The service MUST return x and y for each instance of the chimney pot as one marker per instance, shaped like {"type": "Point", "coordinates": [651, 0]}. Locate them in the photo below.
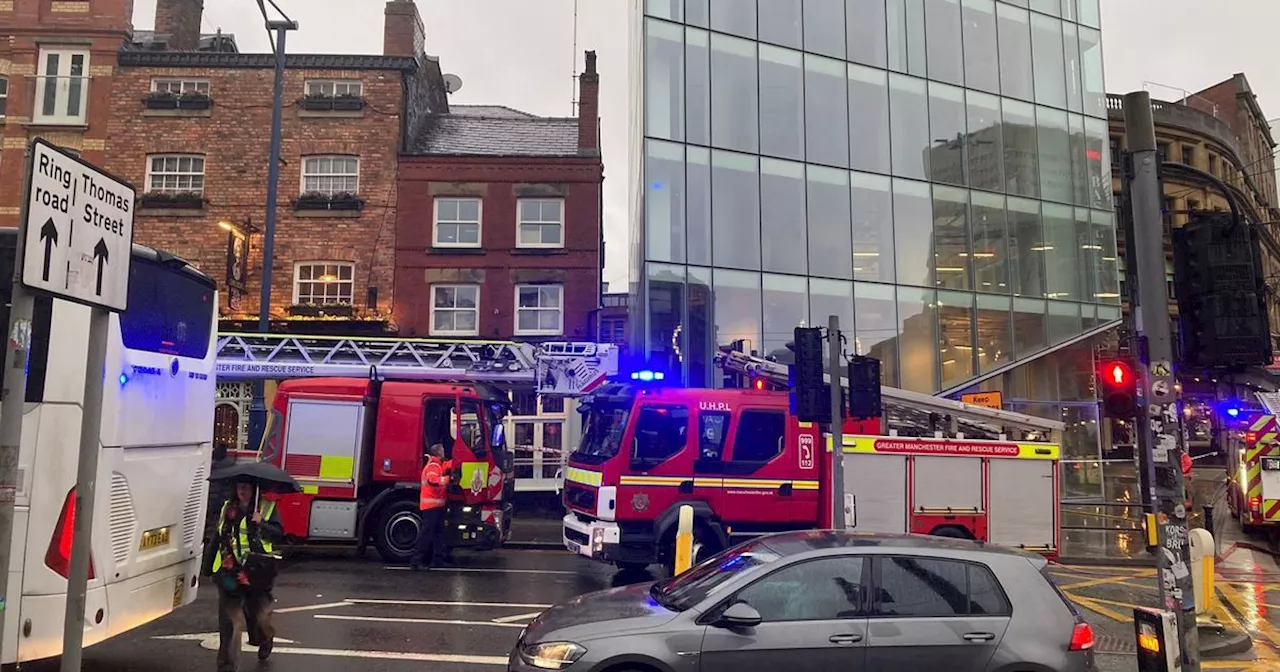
{"type": "Point", "coordinates": [402, 31]}
{"type": "Point", "coordinates": [180, 20]}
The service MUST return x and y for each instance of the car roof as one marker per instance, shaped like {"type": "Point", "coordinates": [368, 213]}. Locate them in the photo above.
{"type": "Point", "coordinates": [788, 544]}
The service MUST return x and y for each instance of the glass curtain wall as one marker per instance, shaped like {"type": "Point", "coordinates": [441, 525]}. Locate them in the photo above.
{"type": "Point", "coordinates": [935, 172]}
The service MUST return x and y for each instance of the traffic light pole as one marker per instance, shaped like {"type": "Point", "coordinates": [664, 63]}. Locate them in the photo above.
{"type": "Point", "coordinates": [1161, 441]}
{"type": "Point", "coordinates": [837, 424]}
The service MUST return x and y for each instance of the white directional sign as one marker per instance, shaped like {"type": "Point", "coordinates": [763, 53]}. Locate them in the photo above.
{"type": "Point", "coordinates": [79, 230]}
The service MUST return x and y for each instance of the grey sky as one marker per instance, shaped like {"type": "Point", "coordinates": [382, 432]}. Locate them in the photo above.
{"type": "Point", "coordinates": [519, 53]}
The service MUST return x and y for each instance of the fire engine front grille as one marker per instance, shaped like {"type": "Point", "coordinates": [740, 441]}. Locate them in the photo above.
{"type": "Point", "coordinates": [576, 536]}
{"type": "Point", "coordinates": [580, 497]}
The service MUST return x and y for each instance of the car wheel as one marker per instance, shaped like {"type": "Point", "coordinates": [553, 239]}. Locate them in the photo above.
{"type": "Point", "coordinates": [397, 532]}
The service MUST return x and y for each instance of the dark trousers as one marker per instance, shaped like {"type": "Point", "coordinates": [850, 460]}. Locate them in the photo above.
{"type": "Point", "coordinates": [430, 547]}
{"type": "Point", "coordinates": [241, 611]}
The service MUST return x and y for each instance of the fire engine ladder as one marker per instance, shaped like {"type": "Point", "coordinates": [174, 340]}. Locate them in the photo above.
{"type": "Point", "coordinates": [564, 368]}
{"type": "Point", "coordinates": [908, 412]}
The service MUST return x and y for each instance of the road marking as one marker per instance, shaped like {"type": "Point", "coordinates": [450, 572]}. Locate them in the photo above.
{"type": "Point", "coordinates": [518, 617]}
{"type": "Point", "coordinates": [313, 607]}
{"type": "Point", "coordinates": [1242, 608]}
{"type": "Point", "coordinates": [209, 640]}
{"type": "Point", "coordinates": [1093, 606]}
{"type": "Point", "coordinates": [434, 603]}
{"type": "Point", "coordinates": [483, 570]}
{"type": "Point", "coordinates": [396, 655]}
{"type": "Point", "coordinates": [1114, 580]}
{"type": "Point", "coordinates": [423, 621]}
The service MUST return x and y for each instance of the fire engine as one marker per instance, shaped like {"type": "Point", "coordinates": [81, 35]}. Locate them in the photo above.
{"type": "Point", "coordinates": [354, 417]}
{"type": "Point", "coordinates": [1254, 471]}
{"type": "Point", "coordinates": [747, 466]}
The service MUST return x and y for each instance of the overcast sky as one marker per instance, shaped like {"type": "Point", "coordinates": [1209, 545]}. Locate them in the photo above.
{"type": "Point", "coordinates": [520, 53]}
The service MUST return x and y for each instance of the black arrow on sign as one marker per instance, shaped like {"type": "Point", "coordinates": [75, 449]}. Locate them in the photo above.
{"type": "Point", "coordinates": [48, 234]}
{"type": "Point", "coordinates": [100, 253]}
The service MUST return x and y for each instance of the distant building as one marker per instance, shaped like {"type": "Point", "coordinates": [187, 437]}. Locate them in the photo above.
{"type": "Point", "coordinates": [614, 316]}
{"type": "Point", "coordinates": [498, 233]}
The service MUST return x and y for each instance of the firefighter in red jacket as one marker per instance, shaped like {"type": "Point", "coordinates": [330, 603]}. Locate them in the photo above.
{"type": "Point", "coordinates": [432, 501]}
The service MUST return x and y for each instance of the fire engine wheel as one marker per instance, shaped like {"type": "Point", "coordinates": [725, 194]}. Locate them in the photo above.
{"type": "Point", "coordinates": [397, 531]}
{"type": "Point", "coordinates": [950, 533]}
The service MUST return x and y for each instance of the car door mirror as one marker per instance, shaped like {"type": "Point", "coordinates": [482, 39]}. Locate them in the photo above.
{"type": "Point", "coordinates": [740, 615]}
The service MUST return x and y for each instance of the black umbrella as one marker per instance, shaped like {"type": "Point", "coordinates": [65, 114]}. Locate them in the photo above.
{"type": "Point", "coordinates": [263, 475]}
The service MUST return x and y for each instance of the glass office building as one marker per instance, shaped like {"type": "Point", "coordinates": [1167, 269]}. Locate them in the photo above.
{"type": "Point", "coordinates": [935, 172]}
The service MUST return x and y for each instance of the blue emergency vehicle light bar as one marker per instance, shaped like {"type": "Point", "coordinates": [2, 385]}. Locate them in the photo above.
{"type": "Point", "coordinates": [1233, 412]}
{"type": "Point", "coordinates": [647, 376]}
{"type": "Point", "coordinates": [123, 379]}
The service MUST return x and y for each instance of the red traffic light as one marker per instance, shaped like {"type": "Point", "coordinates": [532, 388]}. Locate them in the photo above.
{"type": "Point", "coordinates": [1118, 373]}
{"type": "Point", "coordinates": [1120, 389]}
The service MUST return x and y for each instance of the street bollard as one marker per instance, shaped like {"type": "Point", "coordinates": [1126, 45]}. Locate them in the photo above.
{"type": "Point", "coordinates": [1202, 559]}
{"type": "Point", "coordinates": [684, 541]}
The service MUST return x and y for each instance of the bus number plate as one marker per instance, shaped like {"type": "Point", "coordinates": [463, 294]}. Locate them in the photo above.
{"type": "Point", "coordinates": [1271, 464]}
{"type": "Point", "coordinates": [179, 590]}
{"type": "Point", "coordinates": [152, 539]}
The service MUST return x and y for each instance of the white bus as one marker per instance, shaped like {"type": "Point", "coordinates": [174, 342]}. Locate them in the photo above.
{"type": "Point", "coordinates": [157, 433]}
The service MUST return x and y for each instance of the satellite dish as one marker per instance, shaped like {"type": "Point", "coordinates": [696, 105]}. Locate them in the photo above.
{"type": "Point", "coordinates": [452, 83]}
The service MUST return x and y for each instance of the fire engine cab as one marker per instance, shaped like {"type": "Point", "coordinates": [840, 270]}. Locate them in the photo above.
{"type": "Point", "coordinates": [746, 466]}
{"type": "Point", "coordinates": [353, 419]}
{"type": "Point", "coordinates": [1254, 472]}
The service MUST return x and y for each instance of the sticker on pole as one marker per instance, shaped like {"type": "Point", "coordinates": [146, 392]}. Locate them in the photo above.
{"type": "Point", "coordinates": [78, 231]}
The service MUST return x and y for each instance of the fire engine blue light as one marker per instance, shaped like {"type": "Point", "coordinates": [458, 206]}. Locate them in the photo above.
{"type": "Point", "coordinates": [123, 379]}
{"type": "Point", "coordinates": [1233, 412]}
{"type": "Point", "coordinates": [647, 376]}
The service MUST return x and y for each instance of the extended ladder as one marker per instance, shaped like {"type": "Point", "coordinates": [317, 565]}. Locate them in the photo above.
{"type": "Point", "coordinates": [564, 368]}
{"type": "Point", "coordinates": [905, 410]}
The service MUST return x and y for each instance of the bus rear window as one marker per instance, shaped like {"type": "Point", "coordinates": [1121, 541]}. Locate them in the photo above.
{"type": "Point", "coordinates": [170, 312]}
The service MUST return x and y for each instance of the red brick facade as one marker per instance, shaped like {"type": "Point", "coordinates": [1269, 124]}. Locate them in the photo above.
{"type": "Point", "coordinates": [462, 156]}
{"type": "Point", "coordinates": [90, 33]}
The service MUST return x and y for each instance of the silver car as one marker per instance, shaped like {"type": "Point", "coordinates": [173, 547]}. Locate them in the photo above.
{"type": "Point", "coordinates": [824, 601]}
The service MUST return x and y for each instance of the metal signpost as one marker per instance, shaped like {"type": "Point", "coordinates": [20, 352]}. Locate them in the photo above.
{"type": "Point", "coordinates": [837, 423]}
{"type": "Point", "coordinates": [78, 238]}
{"type": "Point", "coordinates": [1161, 439]}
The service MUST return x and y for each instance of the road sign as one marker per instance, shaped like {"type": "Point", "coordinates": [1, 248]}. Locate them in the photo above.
{"type": "Point", "coordinates": [79, 230]}
{"type": "Point", "coordinates": [988, 399]}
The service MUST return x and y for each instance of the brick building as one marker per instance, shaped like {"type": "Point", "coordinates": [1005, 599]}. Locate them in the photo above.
{"type": "Point", "coordinates": [499, 230]}
{"type": "Point", "coordinates": [191, 129]}
{"type": "Point", "coordinates": [56, 72]}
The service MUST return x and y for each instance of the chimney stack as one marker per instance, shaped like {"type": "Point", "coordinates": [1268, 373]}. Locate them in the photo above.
{"type": "Point", "coordinates": [589, 109]}
{"type": "Point", "coordinates": [402, 31]}
{"type": "Point", "coordinates": [180, 20]}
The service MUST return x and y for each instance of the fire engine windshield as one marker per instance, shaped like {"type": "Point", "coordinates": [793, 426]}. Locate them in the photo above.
{"type": "Point", "coordinates": [602, 437]}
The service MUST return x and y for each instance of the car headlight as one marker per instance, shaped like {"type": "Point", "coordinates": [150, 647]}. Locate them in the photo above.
{"type": "Point", "coordinates": [552, 655]}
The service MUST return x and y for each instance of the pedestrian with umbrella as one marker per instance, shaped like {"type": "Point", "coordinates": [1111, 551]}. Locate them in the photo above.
{"type": "Point", "coordinates": [239, 557]}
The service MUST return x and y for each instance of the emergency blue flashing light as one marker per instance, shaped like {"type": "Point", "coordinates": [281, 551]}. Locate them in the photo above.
{"type": "Point", "coordinates": [123, 379]}
{"type": "Point", "coordinates": [647, 376]}
{"type": "Point", "coordinates": [1233, 412]}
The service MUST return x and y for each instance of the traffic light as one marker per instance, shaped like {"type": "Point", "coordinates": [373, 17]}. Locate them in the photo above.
{"type": "Point", "coordinates": [1119, 389]}
{"type": "Point", "coordinates": [1221, 292]}
{"type": "Point", "coordinates": [810, 398]}
{"type": "Point", "coordinates": [864, 388]}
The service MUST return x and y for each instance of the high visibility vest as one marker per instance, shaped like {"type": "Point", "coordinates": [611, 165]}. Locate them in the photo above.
{"type": "Point", "coordinates": [435, 484]}
{"type": "Point", "coordinates": [241, 549]}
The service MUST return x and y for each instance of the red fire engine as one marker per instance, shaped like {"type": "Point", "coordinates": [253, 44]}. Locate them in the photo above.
{"type": "Point", "coordinates": [1253, 468]}
{"type": "Point", "coordinates": [354, 418]}
{"type": "Point", "coordinates": [746, 466]}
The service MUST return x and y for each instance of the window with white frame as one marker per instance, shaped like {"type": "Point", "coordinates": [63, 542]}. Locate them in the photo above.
{"type": "Point", "coordinates": [175, 173]}
{"type": "Point", "coordinates": [62, 87]}
{"type": "Point", "coordinates": [330, 175]}
{"type": "Point", "coordinates": [455, 310]}
{"type": "Point", "coordinates": [179, 86]}
{"type": "Point", "coordinates": [539, 310]}
{"type": "Point", "coordinates": [4, 95]}
{"type": "Point", "coordinates": [335, 87]}
{"type": "Point", "coordinates": [457, 222]}
{"type": "Point", "coordinates": [541, 222]}
{"type": "Point", "coordinates": [323, 283]}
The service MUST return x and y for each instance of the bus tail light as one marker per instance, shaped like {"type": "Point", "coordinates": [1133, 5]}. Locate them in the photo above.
{"type": "Point", "coordinates": [58, 557]}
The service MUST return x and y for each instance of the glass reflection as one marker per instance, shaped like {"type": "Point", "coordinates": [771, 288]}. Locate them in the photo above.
{"type": "Point", "coordinates": [735, 212]}
{"type": "Point", "coordinates": [1050, 71]}
{"type": "Point", "coordinates": [868, 119]}
{"type": "Point", "coordinates": [990, 244]}
{"type": "Point", "coordinates": [951, 237]}
{"type": "Point", "coordinates": [737, 18]}
{"type": "Point", "coordinates": [955, 337]}
{"type": "Point", "coordinates": [782, 212]}
{"type": "Point", "coordinates": [1021, 148]}
{"type": "Point", "coordinates": [779, 22]}
{"type": "Point", "coordinates": [829, 227]}
{"type": "Point", "coordinates": [1027, 247]}
{"type": "Point", "coordinates": [831, 297]}
{"type": "Point", "coordinates": [946, 161]}
{"type": "Point", "coordinates": [699, 330]}
{"type": "Point", "coordinates": [697, 60]}
{"type": "Point", "coordinates": [1079, 162]}
{"type": "Point", "coordinates": [867, 32]}
{"type": "Point", "coordinates": [737, 308]}
{"type": "Point", "coordinates": [1063, 241]}
{"type": "Point", "coordinates": [826, 114]}
{"type": "Point", "coordinates": [785, 308]}
{"type": "Point", "coordinates": [1028, 326]}
{"type": "Point", "coordinates": [945, 49]}
{"type": "Point", "coordinates": [1064, 321]}
{"type": "Point", "coordinates": [1071, 66]}
{"type": "Point", "coordinates": [665, 306]}
{"type": "Point", "coordinates": [872, 211]}
{"type": "Point", "coordinates": [876, 322]}
{"type": "Point", "coordinates": [913, 232]}
{"type": "Point", "coordinates": [1095, 93]}
{"type": "Point", "coordinates": [664, 80]}
{"type": "Point", "coordinates": [981, 56]}
{"type": "Point", "coordinates": [1054, 146]}
{"type": "Point", "coordinates": [734, 92]}
{"type": "Point", "coordinates": [1016, 77]}
{"type": "Point", "coordinates": [1107, 284]}
{"type": "Point", "coordinates": [667, 9]}
{"type": "Point", "coordinates": [909, 109]}
{"type": "Point", "coordinates": [1098, 154]}
{"type": "Point", "coordinates": [698, 201]}
{"type": "Point", "coordinates": [994, 348]}
{"type": "Point", "coordinates": [918, 349]}
{"type": "Point", "coordinates": [905, 19]}
{"type": "Point", "coordinates": [782, 102]}
{"type": "Point", "coordinates": [824, 22]}
{"type": "Point", "coordinates": [984, 142]}
{"type": "Point", "coordinates": [664, 204]}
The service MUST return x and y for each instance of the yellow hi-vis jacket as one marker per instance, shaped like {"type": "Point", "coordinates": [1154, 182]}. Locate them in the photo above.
{"type": "Point", "coordinates": [240, 546]}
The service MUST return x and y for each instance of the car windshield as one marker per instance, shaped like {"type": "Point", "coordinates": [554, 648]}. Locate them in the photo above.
{"type": "Point", "coordinates": [604, 424]}
{"type": "Point", "coordinates": [688, 589]}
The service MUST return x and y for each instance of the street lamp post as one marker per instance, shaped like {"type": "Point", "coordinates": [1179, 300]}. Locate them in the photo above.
{"type": "Point", "coordinates": [258, 406]}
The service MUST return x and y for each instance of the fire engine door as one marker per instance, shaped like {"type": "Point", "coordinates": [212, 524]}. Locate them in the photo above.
{"type": "Point", "coordinates": [660, 465]}
{"type": "Point", "coordinates": [708, 465]}
{"type": "Point", "coordinates": [471, 453]}
{"type": "Point", "coordinates": [759, 478]}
